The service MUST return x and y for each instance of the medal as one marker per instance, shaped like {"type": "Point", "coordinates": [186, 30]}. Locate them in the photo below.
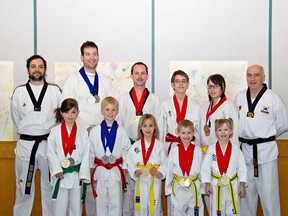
{"type": "Point", "coordinates": [97, 98]}
{"type": "Point", "coordinates": [91, 99]}
{"type": "Point", "coordinates": [136, 119]}
{"type": "Point", "coordinates": [112, 159]}
{"type": "Point", "coordinates": [65, 163]}
{"type": "Point", "coordinates": [153, 171]}
{"type": "Point", "coordinates": [182, 182]}
{"type": "Point", "coordinates": [250, 114]}
{"type": "Point", "coordinates": [207, 130]}
{"type": "Point", "coordinates": [224, 181]}
{"type": "Point", "coordinates": [105, 159]}
{"type": "Point", "coordinates": [145, 171]}
{"type": "Point", "coordinates": [72, 161]}
{"type": "Point", "coordinates": [187, 182]}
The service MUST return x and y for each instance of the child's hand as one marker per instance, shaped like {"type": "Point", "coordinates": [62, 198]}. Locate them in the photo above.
{"type": "Point", "coordinates": [138, 172]}
{"type": "Point", "coordinates": [158, 175]}
{"type": "Point", "coordinates": [208, 189]}
{"type": "Point", "coordinates": [60, 175]}
{"type": "Point", "coordinates": [242, 191]}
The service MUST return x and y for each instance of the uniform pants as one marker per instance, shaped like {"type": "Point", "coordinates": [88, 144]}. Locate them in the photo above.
{"type": "Point", "coordinates": [128, 197]}
{"type": "Point", "coordinates": [266, 185]}
{"type": "Point", "coordinates": [68, 202]}
{"type": "Point", "coordinates": [90, 206]}
{"type": "Point", "coordinates": [23, 202]}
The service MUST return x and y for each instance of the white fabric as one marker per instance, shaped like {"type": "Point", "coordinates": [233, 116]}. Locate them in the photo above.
{"type": "Point", "coordinates": [170, 123]}
{"type": "Point", "coordinates": [109, 185]}
{"type": "Point", "coordinates": [157, 156]}
{"type": "Point", "coordinates": [127, 113]}
{"type": "Point", "coordinates": [75, 87]}
{"type": "Point", "coordinates": [226, 110]}
{"type": "Point", "coordinates": [236, 165]}
{"type": "Point", "coordinates": [270, 119]}
{"type": "Point", "coordinates": [29, 122]}
{"type": "Point", "coordinates": [183, 202]}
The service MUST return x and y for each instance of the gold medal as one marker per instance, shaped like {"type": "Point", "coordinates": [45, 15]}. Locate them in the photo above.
{"type": "Point", "coordinates": [97, 98]}
{"type": "Point", "coordinates": [187, 182]}
{"type": "Point", "coordinates": [72, 161]}
{"type": "Point", "coordinates": [145, 171]}
{"type": "Point", "coordinates": [206, 130]}
{"type": "Point", "coordinates": [136, 119]}
{"type": "Point", "coordinates": [182, 183]}
{"type": "Point", "coordinates": [250, 114]}
{"type": "Point", "coordinates": [224, 180]}
{"type": "Point", "coordinates": [65, 163]}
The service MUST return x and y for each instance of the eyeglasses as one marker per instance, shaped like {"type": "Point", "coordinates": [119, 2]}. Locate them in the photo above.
{"type": "Point", "coordinates": [180, 81]}
{"type": "Point", "coordinates": [213, 86]}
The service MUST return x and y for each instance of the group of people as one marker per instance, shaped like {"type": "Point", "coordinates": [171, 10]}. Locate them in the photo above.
{"type": "Point", "coordinates": [113, 152]}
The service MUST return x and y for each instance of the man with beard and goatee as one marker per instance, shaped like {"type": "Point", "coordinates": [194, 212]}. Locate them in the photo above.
{"type": "Point", "coordinates": [32, 110]}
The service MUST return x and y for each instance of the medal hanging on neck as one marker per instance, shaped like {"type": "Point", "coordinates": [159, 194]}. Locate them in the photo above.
{"type": "Point", "coordinates": [146, 155]}
{"type": "Point", "coordinates": [108, 138]}
{"type": "Point", "coordinates": [186, 158]}
{"type": "Point", "coordinates": [251, 106]}
{"type": "Point", "coordinates": [68, 143]}
{"type": "Point", "coordinates": [209, 112]}
{"type": "Point", "coordinates": [180, 114]}
{"type": "Point", "coordinates": [94, 97]}
{"type": "Point", "coordinates": [223, 159]}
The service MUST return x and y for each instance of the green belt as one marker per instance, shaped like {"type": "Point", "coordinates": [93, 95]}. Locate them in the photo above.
{"type": "Point", "coordinates": [71, 169]}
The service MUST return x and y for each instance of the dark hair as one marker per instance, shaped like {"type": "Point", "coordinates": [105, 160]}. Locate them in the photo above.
{"type": "Point", "coordinates": [217, 79]}
{"type": "Point", "coordinates": [181, 73]}
{"type": "Point", "coordinates": [139, 63]}
{"type": "Point", "coordinates": [66, 105]}
{"type": "Point", "coordinates": [88, 44]}
{"type": "Point", "coordinates": [28, 61]}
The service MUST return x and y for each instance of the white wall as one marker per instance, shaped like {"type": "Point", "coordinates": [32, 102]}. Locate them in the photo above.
{"type": "Point", "coordinates": [184, 30]}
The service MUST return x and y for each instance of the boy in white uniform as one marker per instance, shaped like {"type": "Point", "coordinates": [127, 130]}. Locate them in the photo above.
{"type": "Point", "coordinates": [110, 144]}
{"type": "Point", "coordinates": [32, 107]}
{"type": "Point", "coordinates": [262, 117]}
{"type": "Point", "coordinates": [132, 106]}
{"type": "Point", "coordinates": [68, 155]}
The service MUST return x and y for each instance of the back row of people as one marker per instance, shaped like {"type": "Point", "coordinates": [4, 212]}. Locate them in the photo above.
{"type": "Point", "coordinates": [34, 119]}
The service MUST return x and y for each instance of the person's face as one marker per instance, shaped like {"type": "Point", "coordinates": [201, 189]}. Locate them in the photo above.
{"type": "Point", "coordinates": [109, 112]}
{"type": "Point", "coordinates": [139, 75]}
{"type": "Point", "coordinates": [255, 78]}
{"type": "Point", "coordinates": [70, 116]}
{"type": "Point", "coordinates": [90, 58]}
{"type": "Point", "coordinates": [180, 84]}
{"type": "Point", "coordinates": [224, 132]}
{"type": "Point", "coordinates": [36, 70]}
{"type": "Point", "coordinates": [214, 91]}
{"type": "Point", "coordinates": [148, 128]}
{"type": "Point", "coordinates": [186, 135]}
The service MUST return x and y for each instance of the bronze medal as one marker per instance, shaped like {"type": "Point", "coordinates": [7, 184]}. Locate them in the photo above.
{"type": "Point", "coordinates": [250, 114]}
{"type": "Point", "coordinates": [206, 130]}
{"type": "Point", "coordinates": [72, 161]}
{"type": "Point", "coordinates": [65, 163]}
{"type": "Point", "coordinates": [97, 98]}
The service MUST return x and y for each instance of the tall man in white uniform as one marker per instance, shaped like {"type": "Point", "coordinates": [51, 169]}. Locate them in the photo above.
{"type": "Point", "coordinates": [132, 105]}
{"type": "Point", "coordinates": [89, 88]}
{"type": "Point", "coordinates": [32, 109]}
{"type": "Point", "coordinates": [262, 117]}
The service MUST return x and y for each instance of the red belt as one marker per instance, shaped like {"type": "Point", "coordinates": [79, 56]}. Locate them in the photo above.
{"type": "Point", "coordinates": [98, 162]}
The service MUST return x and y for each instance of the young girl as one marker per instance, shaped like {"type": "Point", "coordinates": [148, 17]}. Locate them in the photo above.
{"type": "Point", "coordinates": [146, 162]}
{"type": "Point", "coordinates": [68, 156]}
{"type": "Point", "coordinates": [222, 170]}
{"type": "Point", "coordinates": [182, 180]}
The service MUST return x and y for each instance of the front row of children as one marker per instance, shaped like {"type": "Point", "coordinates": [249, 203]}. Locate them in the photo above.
{"type": "Point", "coordinates": [103, 158]}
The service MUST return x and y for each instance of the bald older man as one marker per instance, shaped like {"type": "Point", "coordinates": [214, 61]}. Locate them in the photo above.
{"type": "Point", "coordinates": [262, 117]}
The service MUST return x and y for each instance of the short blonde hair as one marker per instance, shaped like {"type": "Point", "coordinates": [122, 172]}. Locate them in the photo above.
{"type": "Point", "coordinates": [142, 120]}
{"type": "Point", "coordinates": [220, 122]}
{"type": "Point", "coordinates": [109, 100]}
{"type": "Point", "coordinates": [185, 124]}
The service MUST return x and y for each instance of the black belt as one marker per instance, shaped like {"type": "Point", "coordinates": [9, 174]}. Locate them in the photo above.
{"type": "Point", "coordinates": [37, 140]}
{"type": "Point", "coordinates": [254, 142]}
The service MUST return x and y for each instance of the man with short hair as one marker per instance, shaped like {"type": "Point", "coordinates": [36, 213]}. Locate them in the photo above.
{"type": "Point", "coordinates": [262, 117]}
{"type": "Point", "coordinates": [32, 110]}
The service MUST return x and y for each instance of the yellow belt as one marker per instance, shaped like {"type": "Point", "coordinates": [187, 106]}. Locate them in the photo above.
{"type": "Point", "coordinates": [151, 197]}
{"type": "Point", "coordinates": [219, 193]}
{"type": "Point", "coordinates": [192, 180]}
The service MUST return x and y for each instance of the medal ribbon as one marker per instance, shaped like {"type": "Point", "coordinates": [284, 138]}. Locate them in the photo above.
{"type": "Point", "coordinates": [211, 110]}
{"type": "Point", "coordinates": [223, 160]}
{"type": "Point", "coordinates": [37, 104]}
{"type": "Point", "coordinates": [92, 88]}
{"type": "Point", "coordinates": [68, 142]}
{"type": "Point", "coordinates": [251, 106]}
{"type": "Point", "coordinates": [109, 136]}
{"type": "Point", "coordinates": [145, 155]}
{"type": "Point", "coordinates": [186, 158]}
{"type": "Point", "coordinates": [139, 104]}
{"type": "Point", "coordinates": [180, 113]}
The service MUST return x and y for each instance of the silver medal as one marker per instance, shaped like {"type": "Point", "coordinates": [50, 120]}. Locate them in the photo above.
{"type": "Point", "coordinates": [105, 159]}
{"type": "Point", "coordinates": [112, 159]}
{"type": "Point", "coordinates": [91, 99]}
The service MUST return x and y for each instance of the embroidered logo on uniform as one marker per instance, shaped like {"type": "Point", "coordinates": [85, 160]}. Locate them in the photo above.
{"type": "Point", "coordinates": [214, 157]}
{"type": "Point", "coordinates": [137, 150]}
{"type": "Point", "coordinates": [265, 110]}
